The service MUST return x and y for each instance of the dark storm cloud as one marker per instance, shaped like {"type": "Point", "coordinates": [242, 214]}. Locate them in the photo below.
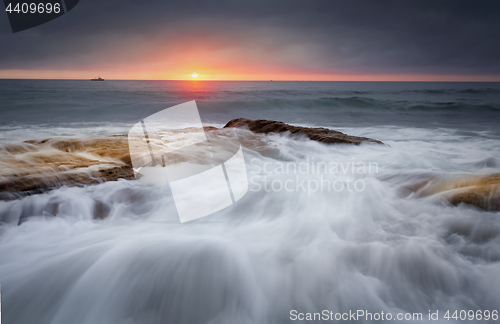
{"type": "Point", "coordinates": [368, 37]}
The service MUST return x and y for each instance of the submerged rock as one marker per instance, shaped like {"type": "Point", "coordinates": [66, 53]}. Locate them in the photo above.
{"type": "Point", "coordinates": [322, 135]}
{"type": "Point", "coordinates": [37, 166]}
{"type": "Point", "coordinates": [480, 191]}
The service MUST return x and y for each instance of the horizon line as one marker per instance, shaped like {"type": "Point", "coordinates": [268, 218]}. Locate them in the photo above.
{"type": "Point", "coordinates": [218, 80]}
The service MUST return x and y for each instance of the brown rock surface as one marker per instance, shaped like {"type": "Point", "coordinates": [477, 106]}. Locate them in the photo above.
{"type": "Point", "coordinates": [322, 135]}
{"type": "Point", "coordinates": [479, 191]}
{"type": "Point", "coordinates": [36, 166]}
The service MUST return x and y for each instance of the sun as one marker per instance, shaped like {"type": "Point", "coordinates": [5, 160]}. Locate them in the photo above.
{"type": "Point", "coordinates": [194, 75]}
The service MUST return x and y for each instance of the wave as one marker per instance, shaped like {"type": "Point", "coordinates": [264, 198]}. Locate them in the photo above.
{"type": "Point", "coordinates": [348, 104]}
{"type": "Point", "coordinates": [257, 260]}
{"type": "Point", "coordinates": [319, 112]}
{"type": "Point", "coordinates": [450, 91]}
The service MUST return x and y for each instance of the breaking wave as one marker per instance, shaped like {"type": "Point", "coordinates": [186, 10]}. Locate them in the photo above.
{"type": "Point", "coordinates": [115, 252]}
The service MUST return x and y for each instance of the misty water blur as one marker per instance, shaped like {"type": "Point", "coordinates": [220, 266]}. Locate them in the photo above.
{"type": "Point", "coordinates": [275, 250]}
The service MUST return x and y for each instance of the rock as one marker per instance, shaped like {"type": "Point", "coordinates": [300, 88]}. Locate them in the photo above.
{"type": "Point", "coordinates": [113, 174]}
{"type": "Point", "coordinates": [322, 135]}
{"type": "Point", "coordinates": [40, 165]}
{"type": "Point", "coordinates": [480, 191]}
{"type": "Point", "coordinates": [37, 166]}
{"type": "Point", "coordinates": [101, 209]}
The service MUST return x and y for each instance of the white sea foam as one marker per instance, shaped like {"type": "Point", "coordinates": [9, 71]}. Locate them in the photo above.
{"type": "Point", "coordinates": [273, 251]}
{"type": "Point", "coordinates": [269, 253]}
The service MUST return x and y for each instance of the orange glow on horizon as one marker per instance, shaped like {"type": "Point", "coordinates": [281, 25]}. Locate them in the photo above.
{"type": "Point", "coordinates": [216, 59]}
{"type": "Point", "coordinates": [228, 75]}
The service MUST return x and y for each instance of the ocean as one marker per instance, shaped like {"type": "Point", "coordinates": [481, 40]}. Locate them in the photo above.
{"type": "Point", "coordinates": [376, 248]}
{"type": "Point", "coordinates": [33, 108]}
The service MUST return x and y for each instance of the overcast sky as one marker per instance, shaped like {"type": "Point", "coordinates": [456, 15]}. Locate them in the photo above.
{"type": "Point", "coordinates": [254, 39]}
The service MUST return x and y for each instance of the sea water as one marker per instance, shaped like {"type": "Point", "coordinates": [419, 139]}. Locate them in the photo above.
{"type": "Point", "coordinates": [374, 248]}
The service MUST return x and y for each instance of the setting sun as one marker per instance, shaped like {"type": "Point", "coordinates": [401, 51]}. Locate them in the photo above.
{"type": "Point", "coordinates": [194, 75]}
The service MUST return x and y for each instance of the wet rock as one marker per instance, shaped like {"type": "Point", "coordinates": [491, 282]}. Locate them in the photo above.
{"type": "Point", "coordinates": [322, 135]}
{"type": "Point", "coordinates": [101, 209]}
{"type": "Point", "coordinates": [37, 166]}
{"type": "Point", "coordinates": [480, 191]}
